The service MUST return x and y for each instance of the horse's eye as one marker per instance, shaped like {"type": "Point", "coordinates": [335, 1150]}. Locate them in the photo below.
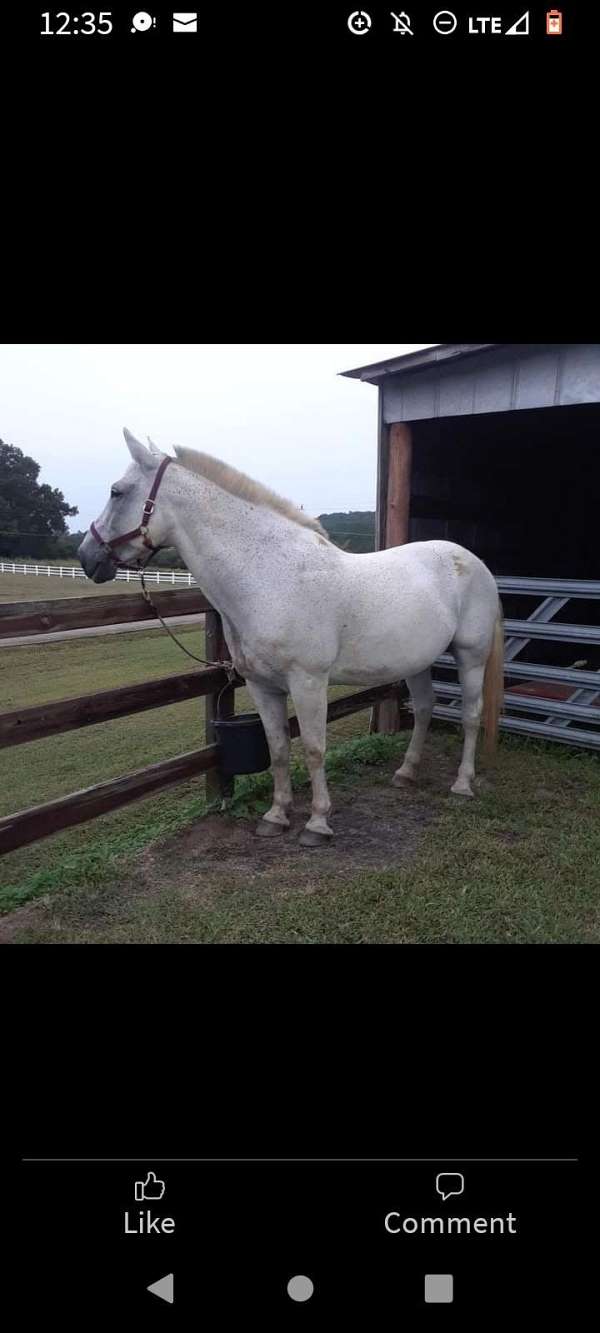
{"type": "Point", "coordinates": [115, 494]}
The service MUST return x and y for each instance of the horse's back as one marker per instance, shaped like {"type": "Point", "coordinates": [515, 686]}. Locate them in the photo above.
{"type": "Point", "coordinates": [447, 568]}
{"type": "Point", "coordinates": [438, 554]}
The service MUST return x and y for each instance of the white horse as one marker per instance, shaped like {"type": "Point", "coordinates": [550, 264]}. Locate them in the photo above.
{"type": "Point", "coordinates": [300, 614]}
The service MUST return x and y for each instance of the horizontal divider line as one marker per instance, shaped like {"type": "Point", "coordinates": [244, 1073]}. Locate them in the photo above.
{"type": "Point", "coordinates": [320, 1160]}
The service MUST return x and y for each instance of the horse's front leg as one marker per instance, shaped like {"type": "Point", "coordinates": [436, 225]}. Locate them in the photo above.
{"type": "Point", "coordinates": [272, 706]}
{"type": "Point", "coordinates": [309, 695]}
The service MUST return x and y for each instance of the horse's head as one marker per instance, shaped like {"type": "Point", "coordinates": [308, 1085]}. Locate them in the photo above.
{"type": "Point", "coordinates": [131, 513]}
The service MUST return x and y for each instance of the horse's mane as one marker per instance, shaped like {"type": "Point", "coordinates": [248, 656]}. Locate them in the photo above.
{"type": "Point", "coordinates": [237, 483]}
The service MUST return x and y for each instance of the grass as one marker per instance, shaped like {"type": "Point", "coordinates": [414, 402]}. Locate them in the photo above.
{"type": "Point", "coordinates": [521, 863]}
{"type": "Point", "coordinates": [40, 588]}
{"type": "Point", "coordinates": [42, 770]}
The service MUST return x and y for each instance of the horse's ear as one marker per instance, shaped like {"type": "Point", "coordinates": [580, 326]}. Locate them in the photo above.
{"type": "Point", "coordinates": [154, 449]}
{"type": "Point", "coordinates": [138, 451]}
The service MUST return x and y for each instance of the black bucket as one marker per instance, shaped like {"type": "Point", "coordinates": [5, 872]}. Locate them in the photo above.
{"type": "Point", "coordinates": [243, 745]}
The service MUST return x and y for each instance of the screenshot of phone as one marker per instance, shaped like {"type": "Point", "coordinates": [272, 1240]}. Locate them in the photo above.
{"type": "Point", "coordinates": [299, 665]}
{"type": "Point", "coordinates": [243, 714]}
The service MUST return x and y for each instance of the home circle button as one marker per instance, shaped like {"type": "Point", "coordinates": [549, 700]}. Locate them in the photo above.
{"type": "Point", "coordinates": [300, 1288]}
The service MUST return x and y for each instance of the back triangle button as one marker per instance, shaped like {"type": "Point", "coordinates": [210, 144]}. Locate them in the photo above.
{"type": "Point", "coordinates": [163, 1288]}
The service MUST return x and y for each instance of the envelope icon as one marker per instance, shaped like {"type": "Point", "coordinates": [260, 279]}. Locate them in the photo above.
{"type": "Point", "coordinates": [185, 23]}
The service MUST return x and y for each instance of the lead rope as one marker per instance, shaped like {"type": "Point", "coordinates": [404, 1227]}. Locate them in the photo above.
{"type": "Point", "coordinates": [228, 667]}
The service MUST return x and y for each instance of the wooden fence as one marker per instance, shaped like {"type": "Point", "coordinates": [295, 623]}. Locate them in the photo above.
{"type": "Point", "coordinates": [19, 619]}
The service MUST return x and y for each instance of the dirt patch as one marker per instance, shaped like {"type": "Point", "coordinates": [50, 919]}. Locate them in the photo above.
{"type": "Point", "coordinates": [376, 826]}
{"type": "Point", "coordinates": [23, 918]}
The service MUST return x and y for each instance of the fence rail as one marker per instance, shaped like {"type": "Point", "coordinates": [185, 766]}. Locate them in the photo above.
{"type": "Point", "coordinates": [20, 725]}
{"type": "Point", "coordinates": [45, 720]}
{"type": "Point", "coordinates": [176, 577]}
{"type": "Point", "coordinates": [64, 613]}
{"type": "Point", "coordinates": [40, 821]}
{"type": "Point", "coordinates": [33, 724]}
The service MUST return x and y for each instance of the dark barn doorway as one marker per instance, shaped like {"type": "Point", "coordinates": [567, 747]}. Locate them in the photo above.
{"type": "Point", "coordinates": [520, 489]}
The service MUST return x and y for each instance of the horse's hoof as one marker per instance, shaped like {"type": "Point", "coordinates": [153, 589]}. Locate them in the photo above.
{"type": "Point", "coordinates": [267, 829]}
{"type": "Point", "coordinates": [402, 780]}
{"type": "Point", "coordinates": [461, 791]}
{"type": "Point", "coordinates": [308, 838]}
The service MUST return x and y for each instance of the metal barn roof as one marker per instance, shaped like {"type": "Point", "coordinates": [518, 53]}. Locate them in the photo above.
{"type": "Point", "coordinates": [427, 356]}
{"type": "Point", "coordinates": [462, 379]}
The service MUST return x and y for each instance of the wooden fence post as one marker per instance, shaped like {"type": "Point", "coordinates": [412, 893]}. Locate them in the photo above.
{"type": "Point", "coordinates": [398, 447]}
{"type": "Point", "coordinates": [217, 787]}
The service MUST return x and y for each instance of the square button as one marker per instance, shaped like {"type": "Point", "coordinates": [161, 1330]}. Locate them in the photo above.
{"type": "Point", "coordinates": [439, 1288]}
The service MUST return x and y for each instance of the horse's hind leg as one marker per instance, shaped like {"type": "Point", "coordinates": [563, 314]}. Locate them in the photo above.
{"type": "Point", "coordinates": [423, 697]}
{"type": "Point", "coordinates": [471, 671]}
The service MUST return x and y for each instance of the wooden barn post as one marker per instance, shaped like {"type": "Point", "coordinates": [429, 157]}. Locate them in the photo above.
{"type": "Point", "coordinates": [217, 787]}
{"type": "Point", "coordinates": [393, 509]}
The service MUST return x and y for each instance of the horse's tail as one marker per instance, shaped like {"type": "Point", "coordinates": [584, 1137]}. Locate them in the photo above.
{"type": "Point", "coordinates": [493, 688]}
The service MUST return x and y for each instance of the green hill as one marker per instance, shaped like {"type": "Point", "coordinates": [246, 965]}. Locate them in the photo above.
{"type": "Point", "coordinates": [354, 531]}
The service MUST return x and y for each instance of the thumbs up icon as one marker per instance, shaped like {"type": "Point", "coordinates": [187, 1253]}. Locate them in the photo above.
{"type": "Point", "coordinates": [150, 1188]}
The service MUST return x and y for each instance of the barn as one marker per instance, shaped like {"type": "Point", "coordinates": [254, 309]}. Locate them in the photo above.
{"type": "Point", "coordinates": [496, 446]}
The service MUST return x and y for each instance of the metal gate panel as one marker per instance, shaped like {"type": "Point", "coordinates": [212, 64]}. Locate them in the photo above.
{"type": "Point", "coordinates": [582, 708]}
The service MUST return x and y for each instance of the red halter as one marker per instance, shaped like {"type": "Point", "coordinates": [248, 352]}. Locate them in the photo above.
{"type": "Point", "coordinates": [142, 531]}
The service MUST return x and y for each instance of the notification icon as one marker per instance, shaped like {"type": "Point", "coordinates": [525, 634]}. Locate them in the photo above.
{"type": "Point", "coordinates": [554, 22]}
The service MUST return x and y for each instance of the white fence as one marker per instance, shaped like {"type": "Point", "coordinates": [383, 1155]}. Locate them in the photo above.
{"type": "Point", "coordinates": [176, 577]}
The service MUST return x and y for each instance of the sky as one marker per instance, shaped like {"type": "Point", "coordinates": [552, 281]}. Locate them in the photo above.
{"type": "Point", "coordinates": [278, 411]}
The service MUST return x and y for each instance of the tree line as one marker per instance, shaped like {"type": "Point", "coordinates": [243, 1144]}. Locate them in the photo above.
{"type": "Point", "coordinates": [353, 531]}
{"type": "Point", "coordinates": [32, 516]}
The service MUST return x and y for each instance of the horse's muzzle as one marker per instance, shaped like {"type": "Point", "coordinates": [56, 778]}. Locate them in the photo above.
{"type": "Point", "coordinates": [96, 561]}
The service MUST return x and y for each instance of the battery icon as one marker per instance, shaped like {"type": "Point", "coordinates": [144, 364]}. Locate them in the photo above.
{"type": "Point", "coordinates": [554, 22]}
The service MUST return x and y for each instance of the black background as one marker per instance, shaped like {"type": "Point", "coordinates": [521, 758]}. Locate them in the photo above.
{"type": "Point", "coordinates": [448, 1053]}
{"type": "Point", "coordinates": [279, 169]}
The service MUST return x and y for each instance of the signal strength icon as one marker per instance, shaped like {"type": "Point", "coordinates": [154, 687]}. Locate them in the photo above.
{"type": "Point", "coordinates": [520, 28]}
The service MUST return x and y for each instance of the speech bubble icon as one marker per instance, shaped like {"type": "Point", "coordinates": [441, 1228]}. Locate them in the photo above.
{"type": "Point", "coordinates": [449, 1183]}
